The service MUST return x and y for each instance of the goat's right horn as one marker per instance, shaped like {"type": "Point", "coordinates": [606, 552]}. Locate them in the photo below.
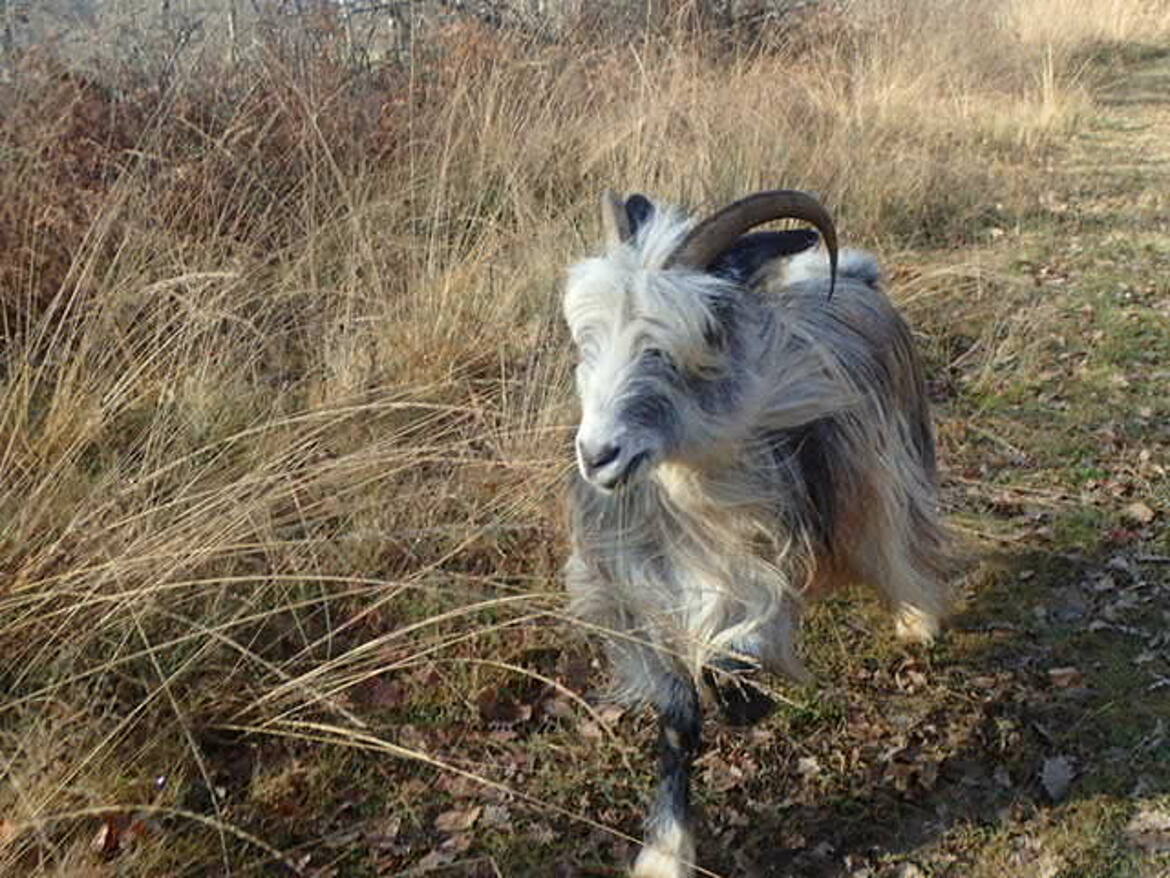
{"type": "Point", "coordinates": [716, 233]}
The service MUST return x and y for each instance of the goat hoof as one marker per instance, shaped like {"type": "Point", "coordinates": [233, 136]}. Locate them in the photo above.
{"type": "Point", "coordinates": [670, 854]}
{"type": "Point", "coordinates": [741, 703]}
{"type": "Point", "coordinates": [913, 625]}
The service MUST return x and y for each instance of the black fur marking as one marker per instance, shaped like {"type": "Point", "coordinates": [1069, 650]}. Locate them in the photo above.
{"type": "Point", "coordinates": [650, 408]}
{"type": "Point", "coordinates": [680, 726]}
{"type": "Point", "coordinates": [725, 310]}
{"type": "Point", "coordinates": [741, 703]}
{"type": "Point", "coordinates": [806, 452]}
{"type": "Point", "coordinates": [741, 262]}
{"type": "Point", "coordinates": [639, 209]}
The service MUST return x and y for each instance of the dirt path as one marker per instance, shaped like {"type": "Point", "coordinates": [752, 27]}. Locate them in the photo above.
{"type": "Point", "coordinates": [1123, 163]}
{"type": "Point", "coordinates": [1035, 741]}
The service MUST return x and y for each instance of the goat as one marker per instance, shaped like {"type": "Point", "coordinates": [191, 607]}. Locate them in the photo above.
{"type": "Point", "coordinates": [739, 450]}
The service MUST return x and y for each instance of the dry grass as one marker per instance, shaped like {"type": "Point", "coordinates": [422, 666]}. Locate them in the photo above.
{"type": "Point", "coordinates": [284, 397]}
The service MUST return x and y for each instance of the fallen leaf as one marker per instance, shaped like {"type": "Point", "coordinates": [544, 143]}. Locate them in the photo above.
{"type": "Point", "coordinates": [1056, 775]}
{"type": "Point", "coordinates": [458, 843]}
{"type": "Point", "coordinates": [459, 786]}
{"type": "Point", "coordinates": [542, 833]}
{"type": "Point", "coordinates": [928, 775]}
{"type": "Point", "coordinates": [558, 708]}
{"type": "Point", "coordinates": [808, 766]}
{"type": "Point", "coordinates": [118, 833]}
{"type": "Point", "coordinates": [435, 860]}
{"type": "Point", "coordinates": [387, 693]}
{"type": "Point", "coordinates": [589, 729]}
{"type": "Point", "coordinates": [1104, 583]}
{"type": "Point", "coordinates": [1138, 512]}
{"type": "Point", "coordinates": [8, 833]}
{"type": "Point", "coordinates": [1122, 536]}
{"type": "Point", "coordinates": [108, 837]}
{"type": "Point", "coordinates": [496, 816]}
{"type": "Point", "coordinates": [721, 776]}
{"type": "Point", "coordinates": [1149, 830]}
{"type": "Point", "coordinates": [384, 833]}
{"type": "Point", "coordinates": [457, 819]}
{"type": "Point", "coordinates": [499, 708]}
{"type": "Point", "coordinates": [611, 713]}
{"type": "Point", "coordinates": [1065, 678]}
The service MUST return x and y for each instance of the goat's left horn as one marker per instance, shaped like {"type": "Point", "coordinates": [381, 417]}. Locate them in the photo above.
{"type": "Point", "coordinates": [716, 233]}
{"type": "Point", "coordinates": [615, 219]}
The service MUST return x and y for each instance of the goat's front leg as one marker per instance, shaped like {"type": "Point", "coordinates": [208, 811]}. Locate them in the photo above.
{"type": "Point", "coordinates": [669, 849]}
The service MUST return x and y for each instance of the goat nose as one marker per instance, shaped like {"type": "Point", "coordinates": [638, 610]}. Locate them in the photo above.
{"type": "Point", "coordinates": [596, 458]}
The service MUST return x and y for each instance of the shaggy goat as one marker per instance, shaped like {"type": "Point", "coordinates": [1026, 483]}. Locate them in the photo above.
{"type": "Point", "coordinates": [738, 451]}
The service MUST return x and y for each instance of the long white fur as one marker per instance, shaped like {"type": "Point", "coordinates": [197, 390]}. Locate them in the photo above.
{"type": "Point", "coordinates": [709, 554]}
{"type": "Point", "coordinates": [671, 854]}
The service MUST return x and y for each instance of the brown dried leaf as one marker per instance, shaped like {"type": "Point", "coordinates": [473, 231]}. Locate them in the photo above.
{"type": "Point", "coordinates": [384, 833]}
{"type": "Point", "coordinates": [928, 775]}
{"type": "Point", "coordinates": [1138, 512]}
{"type": "Point", "coordinates": [496, 816]}
{"type": "Point", "coordinates": [434, 860]}
{"type": "Point", "coordinates": [387, 693]}
{"type": "Point", "coordinates": [459, 786]}
{"type": "Point", "coordinates": [501, 709]}
{"type": "Point", "coordinates": [1149, 830]}
{"type": "Point", "coordinates": [721, 776]}
{"type": "Point", "coordinates": [558, 708]}
{"type": "Point", "coordinates": [808, 766]}
{"type": "Point", "coordinates": [458, 843]}
{"type": "Point", "coordinates": [590, 730]}
{"type": "Point", "coordinates": [457, 819]}
{"type": "Point", "coordinates": [108, 839]}
{"type": "Point", "coordinates": [1065, 678]}
{"type": "Point", "coordinates": [611, 713]}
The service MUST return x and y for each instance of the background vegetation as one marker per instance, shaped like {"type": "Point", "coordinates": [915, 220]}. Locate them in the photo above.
{"type": "Point", "coordinates": [284, 419]}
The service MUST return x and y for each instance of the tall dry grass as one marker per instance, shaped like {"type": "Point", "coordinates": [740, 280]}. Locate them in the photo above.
{"type": "Point", "coordinates": [283, 392]}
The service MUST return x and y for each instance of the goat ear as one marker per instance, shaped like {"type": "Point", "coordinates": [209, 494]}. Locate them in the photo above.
{"type": "Point", "coordinates": [742, 261]}
{"type": "Point", "coordinates": [639, 209]}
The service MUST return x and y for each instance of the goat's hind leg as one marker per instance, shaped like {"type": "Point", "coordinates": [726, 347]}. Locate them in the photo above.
{"type": "Point", "coordinates": [669, 848]}
{"type": "Point", "coordinates": [909, 568]}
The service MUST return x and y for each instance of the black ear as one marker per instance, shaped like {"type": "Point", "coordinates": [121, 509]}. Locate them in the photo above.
{"type": "Point", "coordinates": [743, 260]}
{"type": "Point", "coordinates": [639, 209]}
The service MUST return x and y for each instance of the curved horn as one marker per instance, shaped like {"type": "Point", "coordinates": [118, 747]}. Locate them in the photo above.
{"type": "Point", "coordinates": [614, 219]}
{"type": "Point", "coordinates": [717, 232]}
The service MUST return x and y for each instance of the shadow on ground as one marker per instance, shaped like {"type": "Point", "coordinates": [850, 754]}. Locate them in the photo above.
{"type": "Point", "coordinates": [1048, 695]}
